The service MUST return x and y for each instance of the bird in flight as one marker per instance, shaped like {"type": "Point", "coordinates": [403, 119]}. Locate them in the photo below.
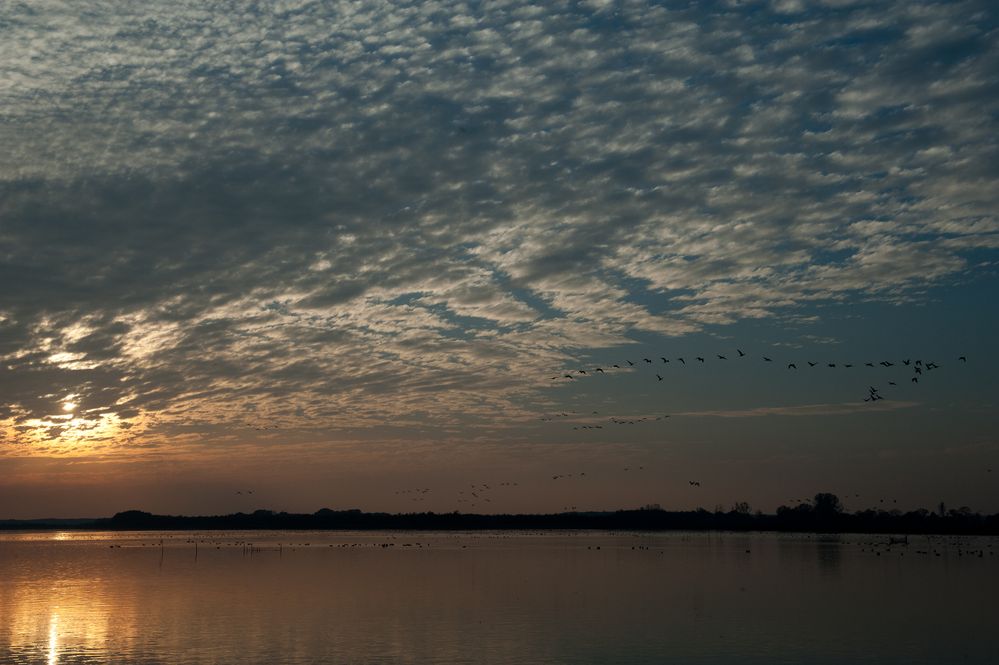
{"type": "Point", "coordinates": [700, 358]}
{"type": "Point", "coordinates": [741, 354]}
{"type": "Point", "coordinates": [721, 357]}
{"type": "Point", "coordinates": [792, 366]}
{"type": "Point", "coordinates": [810, 363]}
{"type": "Point", "coordinates": [963, 359]}
{"type": "Point", "coordinates": [682, 361]}
{"type": "Point", "coordinates": [769, 360]}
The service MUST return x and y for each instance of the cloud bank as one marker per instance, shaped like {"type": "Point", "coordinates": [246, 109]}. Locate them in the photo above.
{"type": "Point", "coordinates": [341, 215]}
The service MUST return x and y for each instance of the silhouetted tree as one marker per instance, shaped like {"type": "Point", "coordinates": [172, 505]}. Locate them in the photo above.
{"type": "Point", "coordinates": [827, 505]}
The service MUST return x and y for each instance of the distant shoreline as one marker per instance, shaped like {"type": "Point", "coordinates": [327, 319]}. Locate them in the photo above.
{"type": "Point", "coordinates": [797, 520]}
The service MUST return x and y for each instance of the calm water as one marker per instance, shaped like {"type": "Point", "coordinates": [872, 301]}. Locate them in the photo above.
{"type": "Point", "coordinates": [495, 598]}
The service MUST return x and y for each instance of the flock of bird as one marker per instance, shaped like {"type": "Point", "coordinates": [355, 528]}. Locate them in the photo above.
{"type": "Point", "coordinates": [478, 494]}
{"type": "Point", "coordinates": [481, 493]}
{"type": "Point", "coordinates": [918, 367]}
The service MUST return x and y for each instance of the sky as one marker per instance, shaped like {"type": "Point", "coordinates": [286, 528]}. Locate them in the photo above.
{"type": "Point", "coordinates": [334, 252]}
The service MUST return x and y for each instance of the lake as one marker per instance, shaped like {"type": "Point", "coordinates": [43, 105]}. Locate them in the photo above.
{"type": "Point", "coordinates": [495, 597]}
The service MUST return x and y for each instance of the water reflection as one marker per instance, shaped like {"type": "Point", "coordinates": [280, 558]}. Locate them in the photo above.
{"type": "Point", "coordinates": [54, 639]}
{"type": "Point", "coordinates": [490, 598]}
{"type": "Point", "coordinates": [829, 552]}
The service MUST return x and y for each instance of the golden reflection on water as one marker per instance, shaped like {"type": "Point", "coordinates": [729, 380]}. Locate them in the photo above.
{"type": "Point", "coordinates": [75, 598]}
{"type": "Point", "coordinates": [56, 605]}
{"type": "Point", "coordinates": [54, 639]}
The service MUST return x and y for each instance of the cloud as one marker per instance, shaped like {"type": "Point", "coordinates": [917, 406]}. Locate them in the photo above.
{"type": "Point", "coordinates": [342, 215]}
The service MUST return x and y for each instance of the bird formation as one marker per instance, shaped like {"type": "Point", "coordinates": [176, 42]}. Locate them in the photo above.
{"type": "Point", "coordinates": [918, 367]}
{"type": "Point", "coordinates": [481, 493]}
{"type": "Point", "coordinates": [416, 493]}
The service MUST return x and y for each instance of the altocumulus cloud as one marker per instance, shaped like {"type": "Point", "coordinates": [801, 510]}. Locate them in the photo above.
{"type": "Point", "coordinates": [347, 212]}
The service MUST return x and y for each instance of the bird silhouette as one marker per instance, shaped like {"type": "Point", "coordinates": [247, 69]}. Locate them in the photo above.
{"type": "Point", "coordinates": [682, 361]}
{"type": "Point", "coordinates": [963, 359]}
{"type": "Point", "coordinates": [599, 370]}
{"type": "Point", "coordinates": [659, 377]}
{"type": "Point", "coordinates": [792, 366]}
{"type": "Point", "coordinates": [700, 358]}
{"type": "Point", "coordinates": [811, 364]}
{"type": "Point", "coordinates": [663, 359]}
{"type": "Point", "coordinates": [741, 354]}
{"type": "Point", "coordinates": [721, 357]}
{"type": "Point", "coordinates": [769, 360]}
{"type": "Point", "coordinates": [915, 379]}
{"type": "Point", "coordinates": [630, 363]}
